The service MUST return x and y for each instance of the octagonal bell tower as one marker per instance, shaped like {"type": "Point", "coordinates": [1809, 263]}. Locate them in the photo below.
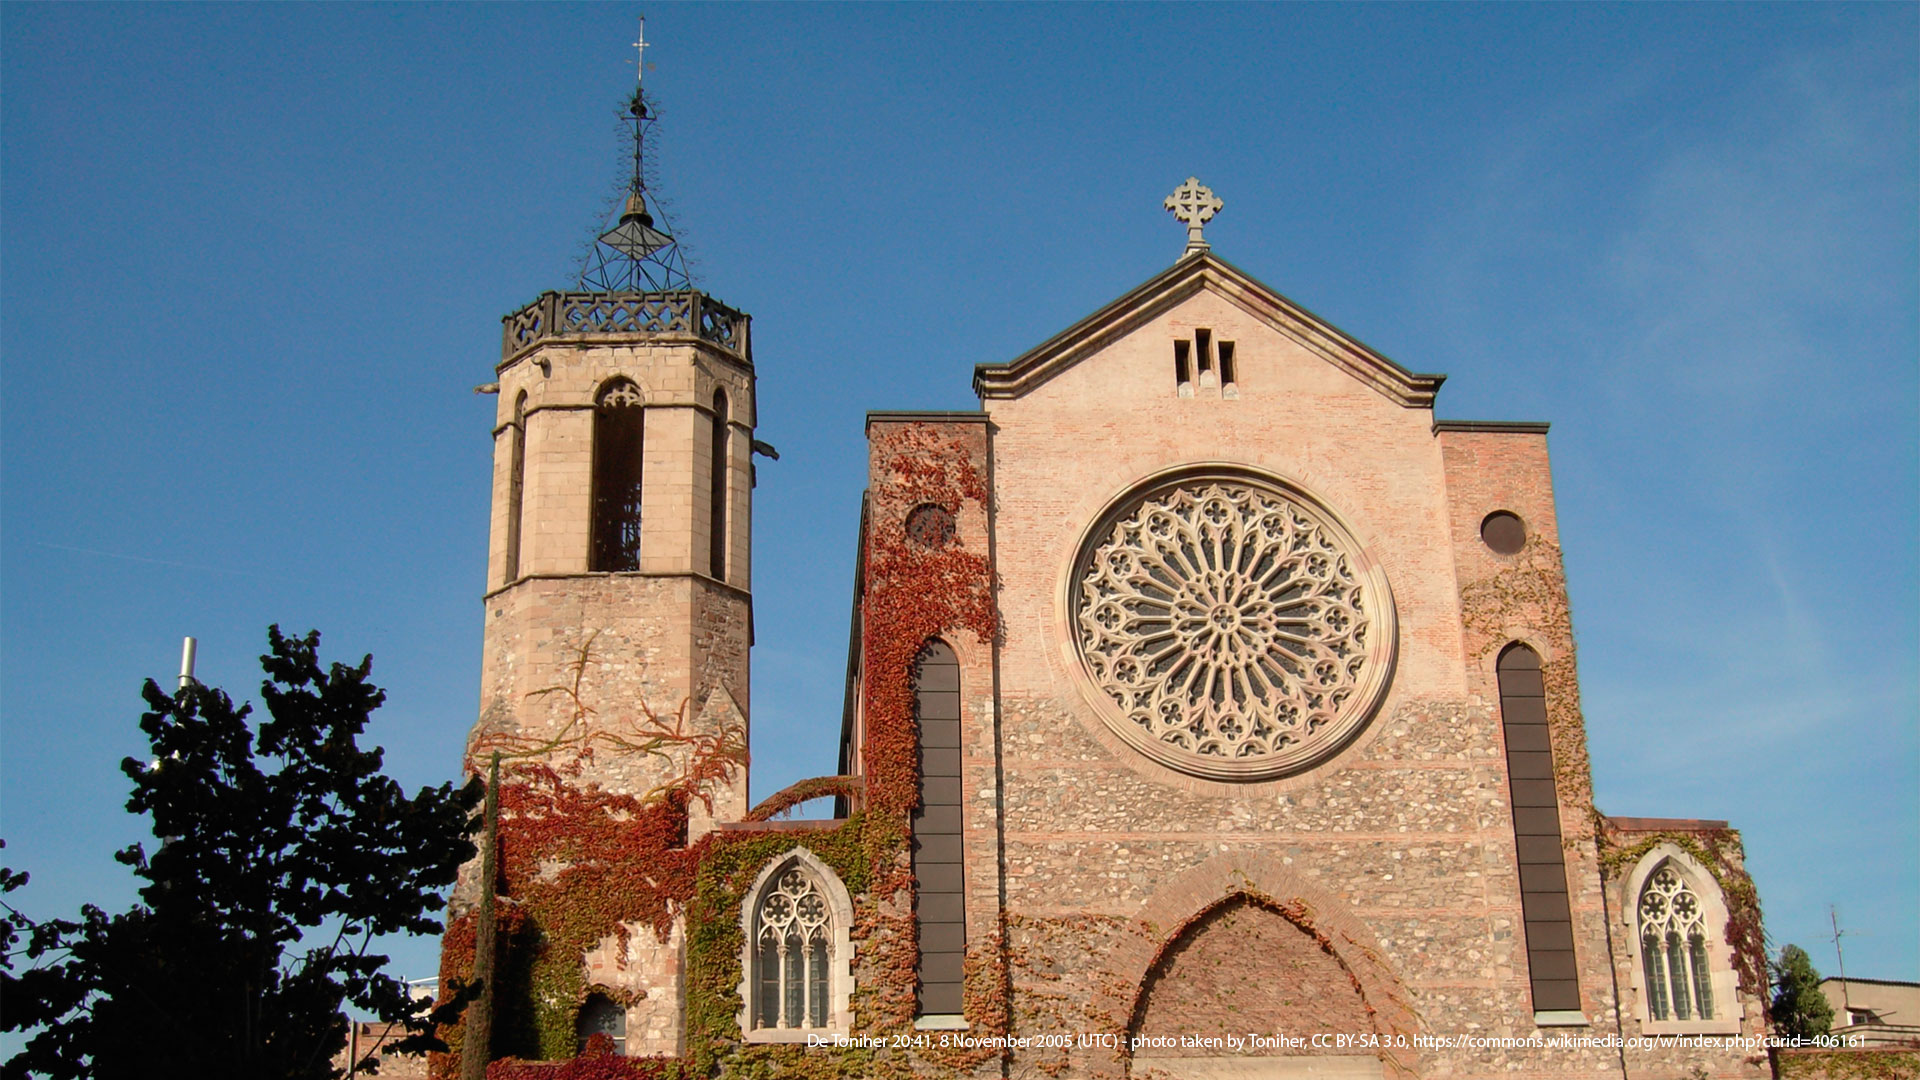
{"type": "Point", "coordinates": [618, 602]}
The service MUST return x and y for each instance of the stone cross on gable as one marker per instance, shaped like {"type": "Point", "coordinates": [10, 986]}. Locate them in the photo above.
{"type": "Point", "coordinates": [1196, 206]}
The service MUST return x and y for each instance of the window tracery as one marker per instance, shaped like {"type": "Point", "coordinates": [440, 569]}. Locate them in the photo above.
{"type": "Point", "coordinates": [1234, 628]}
{"type": "Point", "coordinates": [797, 952]}
{"type": "Point", "coordinates": [1673, 948]}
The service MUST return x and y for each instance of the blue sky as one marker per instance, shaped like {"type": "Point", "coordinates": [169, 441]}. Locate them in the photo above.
{"type": "Point", "coordinates": [254, 258]}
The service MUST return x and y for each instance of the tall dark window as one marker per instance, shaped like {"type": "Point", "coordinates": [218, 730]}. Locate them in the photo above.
{"type": "Point", "coordinates": [940, 905]}
{"type": "Point", "coordinates": [1536, 833]}
{"type": "Point", "coordinates": [516, 486]}
{"type": "Point", "coordinates": [719, 493]}
{"type": "Point", "coordinates": [619, 443]}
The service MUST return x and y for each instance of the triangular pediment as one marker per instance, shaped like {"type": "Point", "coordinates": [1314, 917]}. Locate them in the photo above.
{"type": "Point", "coordinates": [1204, 271]}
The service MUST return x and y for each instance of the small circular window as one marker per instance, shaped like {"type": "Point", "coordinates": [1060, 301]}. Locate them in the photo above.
{"type": "Point", "coordinates": [931, 526]}
{"type": "Point", "coordinates": [1230, 626]}
{"type": "Point", "coordinates": [1504, 532]}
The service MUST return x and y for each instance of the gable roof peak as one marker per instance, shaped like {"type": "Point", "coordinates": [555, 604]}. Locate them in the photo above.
{"type": "Point", "coordinates": [1199, 269]}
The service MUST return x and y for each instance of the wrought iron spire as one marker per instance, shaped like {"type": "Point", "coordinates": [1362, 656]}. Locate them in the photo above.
{"type": "Point", "coordinates": [635, 255]}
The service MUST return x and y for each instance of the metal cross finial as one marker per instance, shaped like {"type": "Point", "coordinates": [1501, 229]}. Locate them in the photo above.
{"type": "Point", "coordinates": [1196, 206]}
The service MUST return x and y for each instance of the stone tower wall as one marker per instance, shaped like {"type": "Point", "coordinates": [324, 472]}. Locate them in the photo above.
{"type": "Point", "coordinates": [665, 644]}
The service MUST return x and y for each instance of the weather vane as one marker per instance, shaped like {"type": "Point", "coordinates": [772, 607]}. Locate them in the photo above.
{"type": "Point", "coordinates": [1196, 206]}
{"type": "Point", "coordinates": [634, 255]}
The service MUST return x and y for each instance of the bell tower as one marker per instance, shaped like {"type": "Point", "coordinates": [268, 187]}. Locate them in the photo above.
{"type": "Point", "coordinates": [618, 601]}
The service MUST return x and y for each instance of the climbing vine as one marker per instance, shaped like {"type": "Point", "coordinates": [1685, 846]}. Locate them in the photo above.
{"type": "Point", "coordinates": [915, 591]}
{"type": "Point", "coordinates": [578, 864]}
{"type": "Point", "coordinates": [597, 1061]}
{"type": "Point", "coordinates": [1531, 591]}
{"type": "Point", "coordinates": [791, 796]}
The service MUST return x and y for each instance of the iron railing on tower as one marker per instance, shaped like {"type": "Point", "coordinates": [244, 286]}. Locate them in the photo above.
{"type": "Point", "coordinates": [586, 316]}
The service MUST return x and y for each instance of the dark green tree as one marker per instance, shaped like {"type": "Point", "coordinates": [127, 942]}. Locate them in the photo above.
{"type": "Point", "coordinates": [1799, 1008]}
{"type": "Point", "coordinates": [284, 853]}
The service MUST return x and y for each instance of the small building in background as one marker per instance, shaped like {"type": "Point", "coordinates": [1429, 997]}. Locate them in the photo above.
{"type": "Point", "coordinates": [1878, 1011]}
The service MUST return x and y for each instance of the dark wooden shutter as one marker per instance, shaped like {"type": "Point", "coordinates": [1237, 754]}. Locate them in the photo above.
{"type": "Point", "coordinates": [940, 906]}
{"type": "Point", "coordinates": [1536, 833]}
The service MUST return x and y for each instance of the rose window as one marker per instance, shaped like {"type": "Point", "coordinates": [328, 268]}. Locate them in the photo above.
{"type": "Point", "coordinates": [1231, 627]}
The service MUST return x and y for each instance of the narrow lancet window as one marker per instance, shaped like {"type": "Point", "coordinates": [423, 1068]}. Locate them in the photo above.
{"type": "Point", "coordinates": [940, 894]}
{"type": "Point", "coordinates": [1227, 373]}
{"type": "Point", "coordinates": [1548, 919]}
{"type": "Point", "coordinates": [719, 486]}
{"type": "Point", "coordinates": [1183, 367]}
{"type": "Point", "coordinates": [516, 486]}
{"type": "Point", "coordinates": [619, 443]}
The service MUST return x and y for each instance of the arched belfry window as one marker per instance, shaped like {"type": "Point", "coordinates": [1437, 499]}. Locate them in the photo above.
{"type": "Point", "coordinates": [516, 486]}
{"type": "Point", "coordinates": [718, 473]}
{"type": "Point", "coordinates": [619, 444]}
{"type": "Point", "coordinates": [797, 919]}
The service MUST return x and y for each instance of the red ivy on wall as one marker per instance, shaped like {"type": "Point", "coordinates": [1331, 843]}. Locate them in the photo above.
{"type": "Point", "coordinates": [578, 864]}
{"type": "Point", "coordinates": [915, 591]}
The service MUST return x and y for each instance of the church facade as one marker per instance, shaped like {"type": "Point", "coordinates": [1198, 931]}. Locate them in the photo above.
{"type": "Point", "coordinates": [1212, 711]}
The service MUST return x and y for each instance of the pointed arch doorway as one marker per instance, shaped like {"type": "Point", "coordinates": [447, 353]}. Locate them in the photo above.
{"type": "Point", "coordinates": [1244, 968]}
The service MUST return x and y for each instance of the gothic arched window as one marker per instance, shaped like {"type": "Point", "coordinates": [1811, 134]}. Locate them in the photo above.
{"type": "Point", "coordinates": [1677, 924]}
{"type": "Point", "coordinates": [619, 441]}
{"type": "Point", "coordinates": [1673, 948]}
{"type": "Point", "coordinates": [718, 494]}
{"type": "Point", "coordinates": [798, 920]}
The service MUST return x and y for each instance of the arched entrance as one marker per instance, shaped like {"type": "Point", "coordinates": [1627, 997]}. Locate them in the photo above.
{"type": "Point", "coordinates": [1227, 997]}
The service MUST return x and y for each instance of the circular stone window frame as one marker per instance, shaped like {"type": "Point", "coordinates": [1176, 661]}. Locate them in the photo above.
{"type": "Point", "coordinates": [1369, 694]}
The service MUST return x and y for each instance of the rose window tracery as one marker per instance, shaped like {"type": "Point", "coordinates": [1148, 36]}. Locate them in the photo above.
{"type": "Point", "coordinates": [1234, 628]}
